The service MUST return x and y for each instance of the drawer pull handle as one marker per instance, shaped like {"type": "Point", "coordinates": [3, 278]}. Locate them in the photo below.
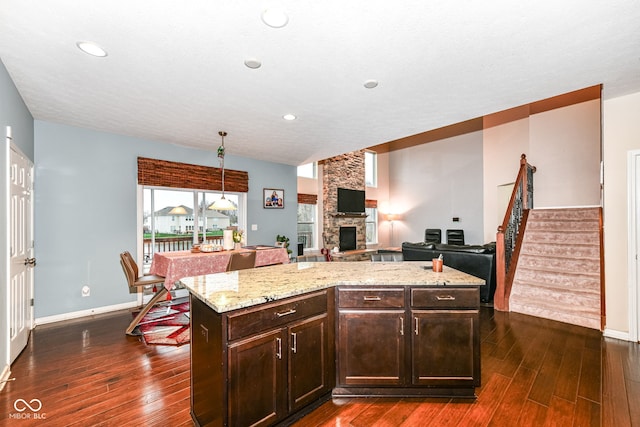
{"type": "Point", "coordinates": [286, 313]}
{"type": "Point", "coordinates": [372, 298]}
{"type": "Point", "coordinates": [446, 298]}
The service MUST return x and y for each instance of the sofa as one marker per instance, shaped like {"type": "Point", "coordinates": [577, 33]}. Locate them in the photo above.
{"type": "Point", "coordinates": [476, 260]}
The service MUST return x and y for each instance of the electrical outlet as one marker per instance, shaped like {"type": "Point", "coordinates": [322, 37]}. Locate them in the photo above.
{"type": "Point", "coordinates": [254, 227]}
{"type": "Point", "coordinates": [86, 291]}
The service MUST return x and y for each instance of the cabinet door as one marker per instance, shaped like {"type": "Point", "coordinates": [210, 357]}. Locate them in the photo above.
{"type": "Point", "coordinates": [257, 394]}
{"type": "Point", "coordinates": [371, 347]}
{"type": "Point", "coordinates": [309, 367]}
{"type": "Point", "coordinates": [445, 348]}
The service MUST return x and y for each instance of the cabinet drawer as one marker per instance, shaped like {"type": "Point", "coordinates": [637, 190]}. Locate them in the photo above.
{"type": "Point", "coordinates": [253, 320]}
{"type": "Point", "coordinates": [371, 298]}
{"type": "Point", "coordinates": [445, 297]}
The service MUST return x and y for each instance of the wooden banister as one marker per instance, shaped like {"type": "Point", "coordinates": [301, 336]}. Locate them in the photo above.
{"type": "Point", "coordinates": [510, 232]}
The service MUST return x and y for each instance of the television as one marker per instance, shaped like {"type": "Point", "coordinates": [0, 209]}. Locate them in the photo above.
{"type": "Point", "coordinates": [350, 201]}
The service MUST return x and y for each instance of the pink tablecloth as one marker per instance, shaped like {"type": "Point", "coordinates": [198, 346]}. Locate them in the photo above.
{"type": "Point", "coordinates": [176, 265]}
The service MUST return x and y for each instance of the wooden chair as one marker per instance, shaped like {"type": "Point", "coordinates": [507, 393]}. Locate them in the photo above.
{"type": "Point", "coordinates": [136, 282]}
{"type": "Point", "coordinates": [242, 260]}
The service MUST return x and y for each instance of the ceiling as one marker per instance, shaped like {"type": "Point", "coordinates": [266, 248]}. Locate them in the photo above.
{"type": "Point", "coordinates": [175, 71]}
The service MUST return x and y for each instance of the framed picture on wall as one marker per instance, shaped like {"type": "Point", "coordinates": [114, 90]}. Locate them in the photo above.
{"type": "Point", "coordinates": [273, 198]}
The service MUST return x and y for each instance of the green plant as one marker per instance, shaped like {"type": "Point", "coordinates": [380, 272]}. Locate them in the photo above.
{"type": "Point", "coordinates": [285, 240]}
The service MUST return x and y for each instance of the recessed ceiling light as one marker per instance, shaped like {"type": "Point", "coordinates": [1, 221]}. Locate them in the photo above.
{"type": "Point", "coordinates": [370, 84]}
{"type": "Point", "coordinates": [252, 63]}
{"type": "Point", "coordinates": [91, 48]}
{"type": "Point", "coordinates": [275, 18]}
{"type": "Point", "coordinates": [289, 117]}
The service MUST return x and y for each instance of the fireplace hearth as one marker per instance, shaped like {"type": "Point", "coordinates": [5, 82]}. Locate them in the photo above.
{"type": "Point", "coordinates": [347, 239]}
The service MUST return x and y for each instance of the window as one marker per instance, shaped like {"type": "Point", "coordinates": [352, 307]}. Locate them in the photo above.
{"type": "Point", "coordinates": [170, 222]}
{"type": "Point", "coordinates": [371, 225]}
{"type": "Point", "coordinates": [308, 170]}
{"type": "Point", "coordinates": [371, 168]}
{"type": "Point", "coordinates": [307, 225]}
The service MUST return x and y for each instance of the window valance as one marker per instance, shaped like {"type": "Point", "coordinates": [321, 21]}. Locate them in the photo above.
{"type": "Point", "coordinates": [164, 173]}
{"type": "Point", "coordinates": [308, 199]}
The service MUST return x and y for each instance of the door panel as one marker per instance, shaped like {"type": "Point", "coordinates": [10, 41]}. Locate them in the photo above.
{"type": "Point", "coordinates": [20, 252]}
{"type": "Point", "coordinates": [371, 347]}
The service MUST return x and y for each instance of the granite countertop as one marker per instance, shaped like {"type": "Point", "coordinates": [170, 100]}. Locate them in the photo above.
{"type": "Point", "coordinates": [244, 288]}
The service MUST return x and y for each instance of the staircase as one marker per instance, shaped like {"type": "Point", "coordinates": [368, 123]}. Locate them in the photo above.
{"type": "Point", "coordinates": [558, 272]}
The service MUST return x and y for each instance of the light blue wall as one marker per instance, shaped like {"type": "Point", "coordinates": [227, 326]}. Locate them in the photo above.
{"type": "Point", "coordinates": [429, 184]}
{"type": "Point", "coordinates": [14, 113]}
{"type": "Point", "coordinates": [85, 210]}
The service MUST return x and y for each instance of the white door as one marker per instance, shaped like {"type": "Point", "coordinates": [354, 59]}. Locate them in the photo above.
{"type": "Point", "coordinates": [636, 203]}
{"type": "Point", "coordinates": [20, 251]}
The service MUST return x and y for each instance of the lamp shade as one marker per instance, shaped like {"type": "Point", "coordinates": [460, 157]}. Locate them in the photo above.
{"type": "Point", "coordinates": [178, 210]}
{"type": "Point", "coordinates": [222, 204]}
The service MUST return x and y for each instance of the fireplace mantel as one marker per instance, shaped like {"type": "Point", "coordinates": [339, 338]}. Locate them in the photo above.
{"type": "Point", "coordinates": [348, 215]}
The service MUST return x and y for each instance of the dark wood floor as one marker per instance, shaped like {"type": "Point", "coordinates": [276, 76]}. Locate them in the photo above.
{"type": "Point", "coordinates": [534, 372]}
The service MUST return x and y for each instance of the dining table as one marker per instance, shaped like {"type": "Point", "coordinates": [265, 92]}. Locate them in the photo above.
{"type": "Point", "coordinates": [175, 265]}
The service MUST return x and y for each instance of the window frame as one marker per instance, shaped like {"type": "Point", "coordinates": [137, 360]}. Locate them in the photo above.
{"type": "Point", "coordinates": [144, 260]}
{"type": "Point", "coordinates": [314, 224]}
{"type": "Point", "coordinates": [373, 169]}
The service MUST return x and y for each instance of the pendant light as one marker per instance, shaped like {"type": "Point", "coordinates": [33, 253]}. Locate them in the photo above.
{"type": "Point", "coordinates": [222, 204]}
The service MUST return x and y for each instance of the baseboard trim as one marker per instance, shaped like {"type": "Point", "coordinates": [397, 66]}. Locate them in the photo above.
{"type": "Point", "coordinates": [4, 377]}
{"type": "Point", "coordinates": [177, 293]}
{"type": "Point", "coordinates": [612, 333]}
{"type": "Point", "coordinates": [83, 313]}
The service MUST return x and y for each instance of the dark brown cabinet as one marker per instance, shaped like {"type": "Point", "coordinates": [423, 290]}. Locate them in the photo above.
{"type": "Point", "coordinates": [256, 392]}
{"type": "Point", "coordinates": [411, 341]}
{"type": "Point", "coordinates": [275, 359]}
{"type": "Point", "coordinates": [311, 365]}
{"type": "Point", "coordinates": [371, 347]}
{"type": "Point", "coordinates": [443, 349]}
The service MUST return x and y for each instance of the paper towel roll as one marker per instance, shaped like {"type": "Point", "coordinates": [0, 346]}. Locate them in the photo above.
{"type": "Point", "coordinates": [228, 240]}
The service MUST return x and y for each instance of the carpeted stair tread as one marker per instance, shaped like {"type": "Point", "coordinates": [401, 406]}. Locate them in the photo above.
{"type": "Point", "coordinates": [561, 264]}
{"type": "Point", "coordinates": [551, 279]}
{"type": "Point", "coordinates": [567, 237]}
{"type": "Point", "coordinates": [566, 213]}
{"type": "Point", "coordinates": [561, 250]}
{"type": "Point", "coordinates": [565, 225]}
{"type": "Point", "coordinates": [587, 322]}
{"type": "Point", "coordinates": [578, 288]}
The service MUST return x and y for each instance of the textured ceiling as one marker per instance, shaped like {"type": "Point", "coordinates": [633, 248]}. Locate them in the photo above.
{"type": "Point", "coordinates": [175, 70]}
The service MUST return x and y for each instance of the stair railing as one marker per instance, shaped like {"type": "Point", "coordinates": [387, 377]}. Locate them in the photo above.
{"type": "Point", "coordinates": [509, 235]}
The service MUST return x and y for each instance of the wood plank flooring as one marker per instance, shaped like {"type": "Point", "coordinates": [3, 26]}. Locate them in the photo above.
{"type": "Point", "coordinates": [87, 372]}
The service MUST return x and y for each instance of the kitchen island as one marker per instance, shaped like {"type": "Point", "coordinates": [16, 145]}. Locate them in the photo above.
{"type": "Point", "coordinates": [270, 343]}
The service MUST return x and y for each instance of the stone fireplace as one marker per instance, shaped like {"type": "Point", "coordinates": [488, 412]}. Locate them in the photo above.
{"type": "Point", "coordinates": [344, 171]}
